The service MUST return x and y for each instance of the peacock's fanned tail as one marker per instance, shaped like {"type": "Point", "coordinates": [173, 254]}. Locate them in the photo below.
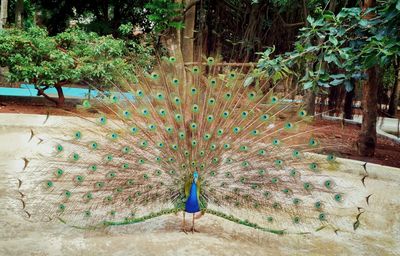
{"type": "Point", "coordinates": [130, 160]}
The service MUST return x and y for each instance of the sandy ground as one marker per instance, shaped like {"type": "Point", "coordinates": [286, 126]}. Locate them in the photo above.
{"type": "Point", "coordinates": [379, 233]}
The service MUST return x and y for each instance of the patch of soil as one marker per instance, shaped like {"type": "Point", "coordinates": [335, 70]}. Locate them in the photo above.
{"type": "Point", "coordinates": [341, 139]}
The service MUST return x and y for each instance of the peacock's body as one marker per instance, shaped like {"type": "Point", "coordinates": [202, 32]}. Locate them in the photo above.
{"type": "Point", "coordinates": [190, 140]}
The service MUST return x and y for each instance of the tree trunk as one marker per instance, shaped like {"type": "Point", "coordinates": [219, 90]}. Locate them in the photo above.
{"type": "Point", "coordinates": [19, 9]}
{"type": "Point", "coordinates": [188, 33]}
{"type": "Point", "coordinates": [348, 102]}
{"type": "Point", "coordinates": [3, 13]}
{"type": "Point", "coordinates": [394, 97]}
{"type": "Point", "coordinates": [59, 101]}
{"type": "Point", "coordinates": [309, 101]}
{"type": "Point", "coordinates": [61, 98]}
{"type": "Point", "coordinates": [367, 137]}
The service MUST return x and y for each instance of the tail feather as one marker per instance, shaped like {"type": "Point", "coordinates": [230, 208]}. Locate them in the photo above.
{"type": "Point", "coordinates": [129, 162]}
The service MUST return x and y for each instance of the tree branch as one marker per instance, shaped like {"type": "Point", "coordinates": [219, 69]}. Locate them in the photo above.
{"type": "Point", "coordinates": [290, 25]}
{"type": "Point", "coordinates": [190, 5]}
{"type": "Point", "coordinates": [42, 93]}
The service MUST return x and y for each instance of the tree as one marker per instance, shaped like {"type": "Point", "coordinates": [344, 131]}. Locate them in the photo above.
{"type": "Point", "coordinates": [367, 137]}
{"type": "Point", "coordinates": [19, 9]}
{"type": "Point", "coordinates": [3, 13]}
{"type": "Point", "coordinates": [349, 45]}
{"type": "Point", "coordinates": [73, 56]}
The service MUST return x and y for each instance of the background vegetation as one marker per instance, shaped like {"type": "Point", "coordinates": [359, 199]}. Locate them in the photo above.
{"type": "Point", "coordinates": [332, 52]}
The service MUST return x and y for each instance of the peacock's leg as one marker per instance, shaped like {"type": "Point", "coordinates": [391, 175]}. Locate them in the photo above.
{"type": "Point", "coordinates": [193, 229]}
{"type": "Point", "coordinates": [183, 228]}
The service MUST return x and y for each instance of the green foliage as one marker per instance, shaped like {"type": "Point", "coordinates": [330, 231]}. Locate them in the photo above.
{"type": "Point", "coordinates": [73, 56]}
{"type": "Point", "coordinates": [339, 47]}
{"type": "Point", "coordinates": [165, 14]}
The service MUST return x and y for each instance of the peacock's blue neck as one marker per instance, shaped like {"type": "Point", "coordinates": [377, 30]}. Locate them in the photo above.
{"type": "Point", "coordinates": [192, 202]}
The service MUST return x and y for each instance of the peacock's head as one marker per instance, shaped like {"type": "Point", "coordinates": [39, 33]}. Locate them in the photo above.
{"type": "Point", "coordinates": [195, 176]}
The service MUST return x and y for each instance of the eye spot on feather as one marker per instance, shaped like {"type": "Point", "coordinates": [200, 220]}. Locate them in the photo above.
{"type": "Point", "coordinates": [155, 76]}
{"type": "Point", "coordinates": [139, 93]}
{"type": "Point", "coordinates": [232, 75]}
{"type": "Point", "coordinates": [313, 167]}
{"type": "Point", "coordinates": [59, 172]}
{"type": "Point", "coordinates": [195, 70]}
{"type": "Point", "coordinates": [330, 158]}
{"type": "Point", "coordinates": [225, 114]}
{"type": "Point", "coordinates": [236, 130]}
{"type": "Point", "coordinates": [213, 147]}
{"type": "Point", "coordinates": [312, 142]}
{"type": "Point", "coordinates": [172, 59]}
{"type": "Point", "coordinates": [328, 184]}
{"type": "Point", "coordinates": [127, 114]}
{"type": "Point", "coordinates": [195, 108]}
{"type": "Point", "coordinates": [206, 136]}
{"type": "Point", "coordinates": [302, 113]}
{"type": "Point", "coordinates": [145, 112]}
{"type": "Point", "coordinates": [134, 130]}
{"type": "Point", "coordinates": [98, 185]}
{"type": "Point", "coordinates": [210, 61]}
{"type": "Point", "coordinates": [296, 201]}
{"type": "Point", "coordinates": [211, 101]}
{"type": "Point", "coordinates": [126, 150]}
{"type": "Point", "coordinates": [276, 205]}
{"type": "Point", "coordinates": [322, 216]}
{"type": "Point", "coordinates": [178, 117]}
{"type": "Point", "coordinates": [296, 153]}
{"type": "Point", "coordinates": [228, 96]}
{"type": "Point", "coordinates": [59, 148]}
{"type": "Point", "coordinates": [48, 184]}
{"type": "Point", "coordinates": [86, 104]}
{"type": "Point", "coordinates": [177, 100]}
{"type": "Point", "coordinates": [318, 205]}
{"type": "Point", "coordinates": [67, 194]}
{"type": "Point", "coordinates": [307, 186]}
{"type": "Point", "coordinates": [78, 135]}
{"type": "Point", "coordinates": [103, 120]}
{"type": "Point", "coordinates": [61, 207]}
{"type": "Point", "coordinates": [175, 81]}
{"type": "Point", "coordinates": [338, 198]}
{"type": "Point", "coordinates": [264, 117]}
{"type": "Point", "coordinates": [75, 156]}
{"type": "Point", "coordinates": [114, 99]}
{"type": "Point", "coordinates": [274, 180]}
{"type": "Point", "coordinates": [276, 142]}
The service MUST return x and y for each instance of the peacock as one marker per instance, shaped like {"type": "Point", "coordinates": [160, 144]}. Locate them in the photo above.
{"type": "Point", "coordinates": [197, 139]}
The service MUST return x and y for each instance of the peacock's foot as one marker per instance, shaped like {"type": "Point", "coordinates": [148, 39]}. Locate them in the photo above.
{"type": "Point", "coordinates": [184, 230]}
{"type": "Point", "coordinates": [194, 230]}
